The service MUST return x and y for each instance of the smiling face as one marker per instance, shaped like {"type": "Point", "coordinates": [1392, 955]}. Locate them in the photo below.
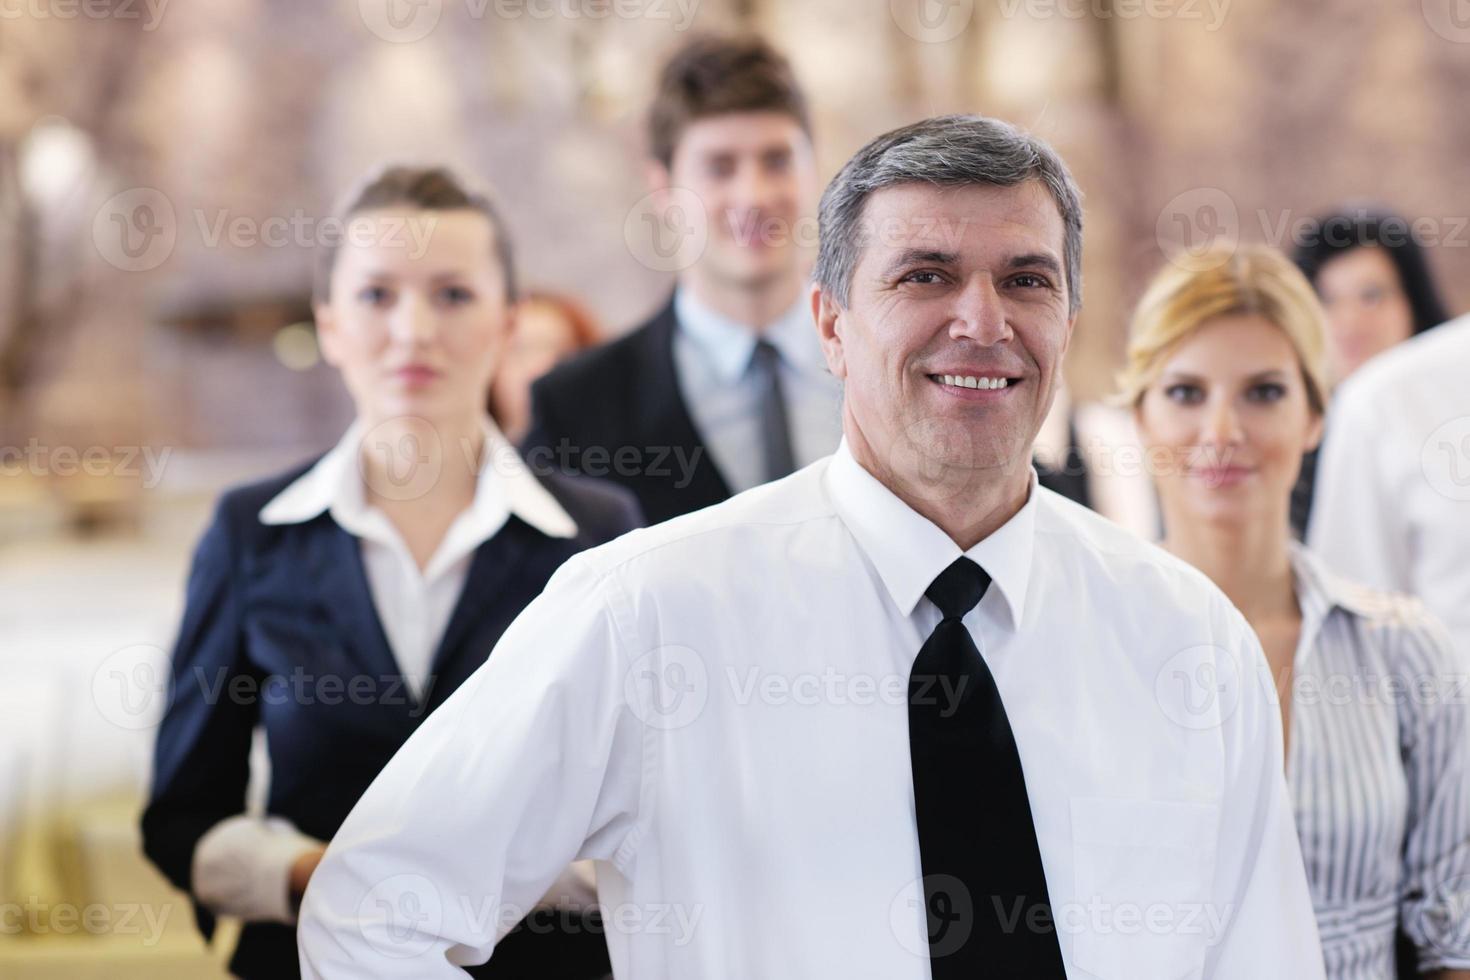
{"type": "Point", "coordinates": [755, 174]}
{"type": "Point", "coordinates": [417, 314]}
{"type": "Point", "coordinates": [951, 343]}
{"type": "Point", "coordinates": [1231, 413]}
{"type": "Point", "coordinates": [1367, 309]}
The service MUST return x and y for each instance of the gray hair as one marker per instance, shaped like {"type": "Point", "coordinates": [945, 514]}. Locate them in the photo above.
{"type": "Point", "coordinates": [946, 151]}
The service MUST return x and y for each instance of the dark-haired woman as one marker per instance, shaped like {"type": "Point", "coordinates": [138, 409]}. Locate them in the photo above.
{"type": "Point", "coordinates": [1373, 279]}
{"type": "Point", "coordinates": [334, 606]}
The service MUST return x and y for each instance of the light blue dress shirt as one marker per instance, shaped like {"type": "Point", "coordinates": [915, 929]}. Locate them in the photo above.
{"type": "Point", "coordinates": [712, 358]}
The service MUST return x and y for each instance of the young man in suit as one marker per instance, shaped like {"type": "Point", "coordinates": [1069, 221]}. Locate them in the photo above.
{"type": "Point", "coordinates": [725, 387]}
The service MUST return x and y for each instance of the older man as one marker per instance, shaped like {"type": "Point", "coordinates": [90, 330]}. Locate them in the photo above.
{"type": "Point", "coordinates": [900, 714]}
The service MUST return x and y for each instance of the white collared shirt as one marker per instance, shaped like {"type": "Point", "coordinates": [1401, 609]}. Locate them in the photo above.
{"type": "Point", "coordinates": [242, 864]}
{"type": "Point", "coordinates": [712, 358]}
{"type": "Point", "coordinates": [414, 605]}
{"type": "Point", "coordinates": [715, 709]}
{"type": "Point", "coordinates": [1391, 503]}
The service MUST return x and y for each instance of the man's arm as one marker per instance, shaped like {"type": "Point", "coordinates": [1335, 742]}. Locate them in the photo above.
{"type": "Point", "coordinates": [534, 762]}
{"type": "Point", "coordinates": [1261, 892]}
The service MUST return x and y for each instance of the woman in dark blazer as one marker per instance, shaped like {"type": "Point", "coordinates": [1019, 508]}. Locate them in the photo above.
{"type": "Point", "coordinates": [334, 606]}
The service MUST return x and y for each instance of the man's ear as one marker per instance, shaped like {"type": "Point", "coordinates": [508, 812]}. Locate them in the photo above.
{"type": "Point", "coordinates": [827, 314]}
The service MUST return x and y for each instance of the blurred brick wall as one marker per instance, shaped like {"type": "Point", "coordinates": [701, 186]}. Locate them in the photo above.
{"type": "Point", "coordinates": [1224, 118]}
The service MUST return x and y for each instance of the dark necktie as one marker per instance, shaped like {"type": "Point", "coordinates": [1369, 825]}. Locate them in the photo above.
{"type": "Point", "coordinates": [775, 431]}
{"type": "Point", "coordinates": [989, 915]}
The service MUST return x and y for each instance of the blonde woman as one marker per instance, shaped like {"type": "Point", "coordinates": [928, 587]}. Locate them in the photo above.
{"type": "Point", "coordinates": [1225, 375]}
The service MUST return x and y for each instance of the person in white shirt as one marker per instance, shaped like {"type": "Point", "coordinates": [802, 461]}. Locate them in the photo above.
{"type": "Point", "coordinates": [901, 714]}
{"type": "Point", "coordinates": [1227, 376]}
{"type": "Point", "coordinates": [1371, 270]}
{"type": "Point", "coordinates": [333, 607]}
{"type": "Point", "coordinates": [1392, 506]}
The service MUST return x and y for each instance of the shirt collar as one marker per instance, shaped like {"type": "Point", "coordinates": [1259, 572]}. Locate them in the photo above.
{"type": "Point", "coordinates": [909, 551]}
{"type": "Point", "coordinates": [1319, 590]}
{"type": "Point", "coordinates": [728, 344]}
{"type": "Point", "coordinates": [505, 486]}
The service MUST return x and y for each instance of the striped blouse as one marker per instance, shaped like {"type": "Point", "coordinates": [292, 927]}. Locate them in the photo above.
{"type": "Point", "coordinates": [1379, 768]}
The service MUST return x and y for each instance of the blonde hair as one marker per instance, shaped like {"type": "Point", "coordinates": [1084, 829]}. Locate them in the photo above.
{"type": "Point", "coordinates": [1250, 279]}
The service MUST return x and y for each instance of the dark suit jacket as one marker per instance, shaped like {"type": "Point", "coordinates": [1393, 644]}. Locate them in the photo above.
{"type": "Point", "coordinates": [1302, 493]}
{"type": "Point", "coordinates": [616, 411]}
{"type": "Point", "coordinates": [280, 631]}
{"type": "Point", "coordinates": [1071, 480]}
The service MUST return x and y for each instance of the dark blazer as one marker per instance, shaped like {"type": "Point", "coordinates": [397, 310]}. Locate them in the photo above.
{"type": "Point", "coordinates": [1301, 495]}
{"type": "Point", "coordinates": [616, 411]}
{"type": "Point", "coordinates": [280, 631]}
{"type": "Point", "coordinates": [1071, 480]}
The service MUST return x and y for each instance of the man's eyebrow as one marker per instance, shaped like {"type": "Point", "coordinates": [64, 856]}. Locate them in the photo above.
{"type": "Point", "coordinates": [1033, 260]}
{"type": "Point", "coordinates": [919, 256]}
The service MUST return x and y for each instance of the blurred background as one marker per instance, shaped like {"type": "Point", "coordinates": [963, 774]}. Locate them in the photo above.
{"type": "Point", "coordinates": [167, 168]}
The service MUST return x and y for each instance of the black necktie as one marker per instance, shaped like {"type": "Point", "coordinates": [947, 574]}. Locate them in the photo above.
{"type": "Point", "coordinates": [775, 432]}
{"type": "Point", "coordinates": [989, 915]}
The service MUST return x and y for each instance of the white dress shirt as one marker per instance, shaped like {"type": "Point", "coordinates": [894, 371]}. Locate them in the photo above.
{"type": "Point", "coordinates": [712, 357]}
{"type": "Point", "coordinates": [715, 710]}
{"type": "Point", "coordinates": [242, 865]}
{"type": "Point", "coordinates": [1392, 498]}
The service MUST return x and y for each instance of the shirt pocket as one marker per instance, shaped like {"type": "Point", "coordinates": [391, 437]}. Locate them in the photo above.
{"type": "Point", "coordinates": [1144, 872]}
